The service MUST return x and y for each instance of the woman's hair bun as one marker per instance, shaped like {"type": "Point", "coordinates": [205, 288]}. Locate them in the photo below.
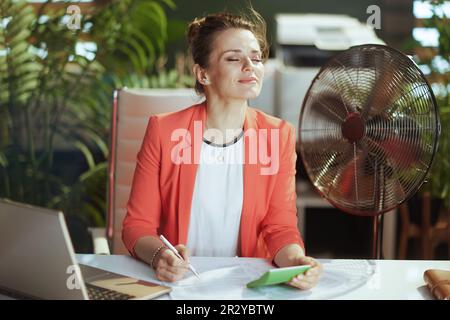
{"type": "Point", "coordinates": [194, 29]}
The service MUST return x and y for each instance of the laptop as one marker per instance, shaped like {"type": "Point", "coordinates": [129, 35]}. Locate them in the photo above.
{"type": "Point", "coordinates": [37, 261]}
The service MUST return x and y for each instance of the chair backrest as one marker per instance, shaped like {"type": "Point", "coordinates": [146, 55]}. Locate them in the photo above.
{"type": "Point", "coordinates": [131, 111]}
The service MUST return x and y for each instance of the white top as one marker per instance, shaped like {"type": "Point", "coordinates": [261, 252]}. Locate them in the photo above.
{"type": "Point", "coordinates": [217, 200]}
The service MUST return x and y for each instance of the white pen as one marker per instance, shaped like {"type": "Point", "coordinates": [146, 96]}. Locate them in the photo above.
{"type": "Point", "coordinates": [172, 248]}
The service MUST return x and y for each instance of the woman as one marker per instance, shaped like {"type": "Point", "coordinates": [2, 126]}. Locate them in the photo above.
{"type": "Point", "coordinates": [218, 176]}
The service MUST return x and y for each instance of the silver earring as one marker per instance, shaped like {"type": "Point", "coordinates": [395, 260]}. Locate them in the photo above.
{"type": "Point", "coordinates": [205, 81]}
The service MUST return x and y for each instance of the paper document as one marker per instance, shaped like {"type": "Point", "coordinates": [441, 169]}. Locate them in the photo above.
{"type": "Point", "coordinates": [228, 281]}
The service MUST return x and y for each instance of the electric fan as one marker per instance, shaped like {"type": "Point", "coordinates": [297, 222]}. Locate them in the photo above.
{"type": "Point", "coordinates": [369, 129]}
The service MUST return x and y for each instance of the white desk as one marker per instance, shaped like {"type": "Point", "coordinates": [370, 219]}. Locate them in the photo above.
{"type": "Point", "coordinates": [387, 279]}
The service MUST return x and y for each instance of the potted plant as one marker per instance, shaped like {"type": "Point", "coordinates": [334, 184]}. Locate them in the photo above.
{"type": "Point", "coordinates": [54, 98]}
{"type": "Point", "coordinates": [429, 209]}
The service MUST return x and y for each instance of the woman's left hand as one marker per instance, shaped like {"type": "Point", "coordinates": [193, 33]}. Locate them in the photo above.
{"type": "Point", "coordinates": [308, 279]}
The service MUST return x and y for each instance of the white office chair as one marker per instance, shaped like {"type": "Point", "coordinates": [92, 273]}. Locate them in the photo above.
{"type": "Point", "coordinates": [131, 111]}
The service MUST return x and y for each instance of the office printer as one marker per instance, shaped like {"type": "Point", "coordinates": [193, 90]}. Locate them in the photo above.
{"type": "Point", "coordinates": [304, 42]}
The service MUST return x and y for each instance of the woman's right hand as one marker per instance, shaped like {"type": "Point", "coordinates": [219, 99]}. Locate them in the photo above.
{"type": "Point", "coordinates": [170, 268]}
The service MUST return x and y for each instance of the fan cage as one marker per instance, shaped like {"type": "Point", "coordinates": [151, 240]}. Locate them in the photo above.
{"type": "Point", "coordinates": [369, 129]}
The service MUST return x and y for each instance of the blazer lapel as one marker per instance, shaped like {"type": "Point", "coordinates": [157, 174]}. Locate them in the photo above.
{"type": "Point", "coordinates": [188, 171]}
{"type": "Point", "coordinates": [250, 177]}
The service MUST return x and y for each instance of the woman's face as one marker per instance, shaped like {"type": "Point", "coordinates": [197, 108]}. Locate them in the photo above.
{"type": "Point", "coordinates": [235, 68]}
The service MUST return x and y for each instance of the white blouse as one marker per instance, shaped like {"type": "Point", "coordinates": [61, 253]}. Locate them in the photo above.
{"type": "Point", "coordinates": [217, 200]}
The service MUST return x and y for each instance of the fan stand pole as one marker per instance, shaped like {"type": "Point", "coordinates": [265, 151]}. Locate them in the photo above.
{"type": "Point", "coordinates": [377, 236]}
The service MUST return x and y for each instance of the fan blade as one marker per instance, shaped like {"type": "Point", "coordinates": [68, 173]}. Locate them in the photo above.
{"type": "Point", "coordinates": [337, 84]}
{"type": "Point", "coordinates": [397, 140]}
{"type": "Point", "coordinates": [357, 187]}
{"type": "Point", "coordinates": [348, 180]}
{"type": "Point", "coordinates": [346, 79]}
{"type": "Point", "coordinates": [384, 92]}
{"type": "Point", "coordinates": [329, 109]}
{"type": "Point", "coordinates": [391, 182]}
{"type": "Point", "coordinates": [325, 166]}
{"type": "Point", "coordinates": [326, 142]}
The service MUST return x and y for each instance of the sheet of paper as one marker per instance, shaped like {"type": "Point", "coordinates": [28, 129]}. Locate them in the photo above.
{"type": "Point", "coordinates": [229, 282]}
{"type": "Point", "coordinates": [224, 283]}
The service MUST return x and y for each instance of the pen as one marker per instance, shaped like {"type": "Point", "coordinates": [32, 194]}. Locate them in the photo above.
{"type": "Point", "coordinates": [172, 248]}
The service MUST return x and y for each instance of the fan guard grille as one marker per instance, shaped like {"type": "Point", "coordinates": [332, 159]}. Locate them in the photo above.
{"type": "Point", "coordinates": [368, 129]}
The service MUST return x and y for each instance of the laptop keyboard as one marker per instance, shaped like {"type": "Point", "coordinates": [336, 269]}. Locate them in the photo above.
{"type": "Point", "coordinates": [98, 293]}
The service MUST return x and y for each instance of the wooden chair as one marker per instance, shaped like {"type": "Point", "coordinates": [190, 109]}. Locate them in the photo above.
{"type": "Point", "coordinates": [430, 235]}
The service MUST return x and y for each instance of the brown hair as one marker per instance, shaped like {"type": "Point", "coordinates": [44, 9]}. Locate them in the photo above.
{"type": "Point", "coordinates": [201, 33]}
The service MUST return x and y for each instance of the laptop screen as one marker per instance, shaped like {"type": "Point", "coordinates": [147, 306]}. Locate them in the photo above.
{"type": "Point", "coordinates": [37, 257]}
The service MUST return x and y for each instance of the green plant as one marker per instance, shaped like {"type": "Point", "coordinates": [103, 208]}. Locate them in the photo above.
{"type": "Point", "coordinates": [177, 77]}
{"type": "Point", "coordinates": [53, 98]}
{"type": "Point", "coordinates": [439, 177]}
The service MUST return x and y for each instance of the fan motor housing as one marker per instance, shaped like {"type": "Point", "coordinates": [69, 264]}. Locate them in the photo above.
{"type": "Point", "coordinates": [353, 127]}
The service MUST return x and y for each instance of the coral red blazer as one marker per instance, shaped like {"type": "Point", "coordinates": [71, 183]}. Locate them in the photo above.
{"type": "Point", "coordinates": [161, 194]}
